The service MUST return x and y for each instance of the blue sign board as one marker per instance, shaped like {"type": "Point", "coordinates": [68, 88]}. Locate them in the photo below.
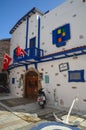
{"type": "Point", "coordinates": [61, 35]}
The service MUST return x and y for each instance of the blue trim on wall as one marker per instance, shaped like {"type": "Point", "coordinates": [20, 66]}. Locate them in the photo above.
{"type": "Point", "coordinates": [39, 32]}
{"type": "Point", "coordinates": [35, 64]}
{"type": "Point", "coordinates": [27, 25]}
{"type": "Point", "coordinates": [73, 78]}
{"type": "Point", "coordinates": [26, 67]}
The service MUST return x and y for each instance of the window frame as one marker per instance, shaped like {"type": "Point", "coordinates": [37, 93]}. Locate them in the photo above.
{"type": "Point", "coordinates": [81, 79]}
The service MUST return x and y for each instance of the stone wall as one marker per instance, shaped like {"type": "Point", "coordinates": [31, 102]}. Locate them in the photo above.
{"type": "Point", "coordinates": [4, 48]}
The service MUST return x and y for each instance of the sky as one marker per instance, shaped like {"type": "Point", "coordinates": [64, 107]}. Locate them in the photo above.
{"type": "Point", "coordinates": [12, 10]}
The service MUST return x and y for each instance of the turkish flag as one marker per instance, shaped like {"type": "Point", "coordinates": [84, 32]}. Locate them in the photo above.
{"type": "Point", "coordinates": [20, 51]}
{"type": "Point", "coordinates": [6, 61]}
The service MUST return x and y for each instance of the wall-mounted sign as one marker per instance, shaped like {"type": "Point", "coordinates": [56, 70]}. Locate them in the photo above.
{"type": "Point", "coordinates": [41, 76]}
{"type": "Point", "coordinates": [63, 67]}
{"type": "Point", "coordinates": [46, 79]}
{"type": "Point", "coordinates": [61, 35]}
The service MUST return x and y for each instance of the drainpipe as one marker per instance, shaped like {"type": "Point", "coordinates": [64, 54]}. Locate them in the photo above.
{"type": "Point", "coordinates": [35, 64]}
{"type": "Point", "coordinates": [27, 26]}
{"type": "Point", "coordinates": [38, 18]}
{"type": "Point", "coordinates": [26, 45]}
{"type": "Point", "coordinates": [26, 67]}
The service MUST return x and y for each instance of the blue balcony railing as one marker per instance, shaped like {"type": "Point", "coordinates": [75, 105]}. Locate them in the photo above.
{"type": "Point", "coordinates": [31, 53]}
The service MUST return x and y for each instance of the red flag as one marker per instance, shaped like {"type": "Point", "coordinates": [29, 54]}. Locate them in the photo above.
{"type": "Point", "coordinates": [6, 61]}
{"type": "Point", "coordinates": [20, 51]}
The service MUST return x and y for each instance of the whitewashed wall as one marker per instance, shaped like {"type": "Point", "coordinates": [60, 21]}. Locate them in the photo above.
{"type": "Point", "coordinates": [72, 12]}
{"type": "Point", "coordinates": [17, 88]}
{"type": "Point", "coordinates": [18, 37]}
{"type": "Point", "coordinates": [69, 12]}
{"type": "Point", "coordinates": [59, 91]}
{"type": "Point", "coordinates": [65, 91]}
{"type": "Point", "coordinates": [33, 28]}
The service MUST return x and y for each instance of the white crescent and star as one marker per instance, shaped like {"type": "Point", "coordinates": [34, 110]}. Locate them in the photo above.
{"type": "Point", "coordinates": [5, 60]}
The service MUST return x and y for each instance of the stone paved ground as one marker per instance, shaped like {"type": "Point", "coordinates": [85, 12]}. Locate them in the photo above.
{"type": "Point", "coordinates": [10, 120]}
{"type": "Point", "coordinates": [16, 101]}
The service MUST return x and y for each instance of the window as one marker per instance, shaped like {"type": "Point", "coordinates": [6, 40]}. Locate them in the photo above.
{"type": "Point", "coordinates": [76, 76]}
{"type": "Point", "coordinates": [13, 80]}
{"type": "Point", "coordinates": [32, 42]}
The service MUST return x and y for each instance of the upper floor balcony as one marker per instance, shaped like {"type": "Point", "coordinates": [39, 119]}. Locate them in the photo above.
{"type": "Point", "coordinates": [37, 55]}
{"type": "Point", "coordinates": [29, 54]}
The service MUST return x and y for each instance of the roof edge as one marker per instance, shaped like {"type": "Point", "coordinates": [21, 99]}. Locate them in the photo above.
{"type": "Point", "coordinates": [28, 14]}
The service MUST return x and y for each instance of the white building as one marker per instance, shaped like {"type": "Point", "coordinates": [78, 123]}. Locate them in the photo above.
{"type": "Point", "coordinates": [55, 59]}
